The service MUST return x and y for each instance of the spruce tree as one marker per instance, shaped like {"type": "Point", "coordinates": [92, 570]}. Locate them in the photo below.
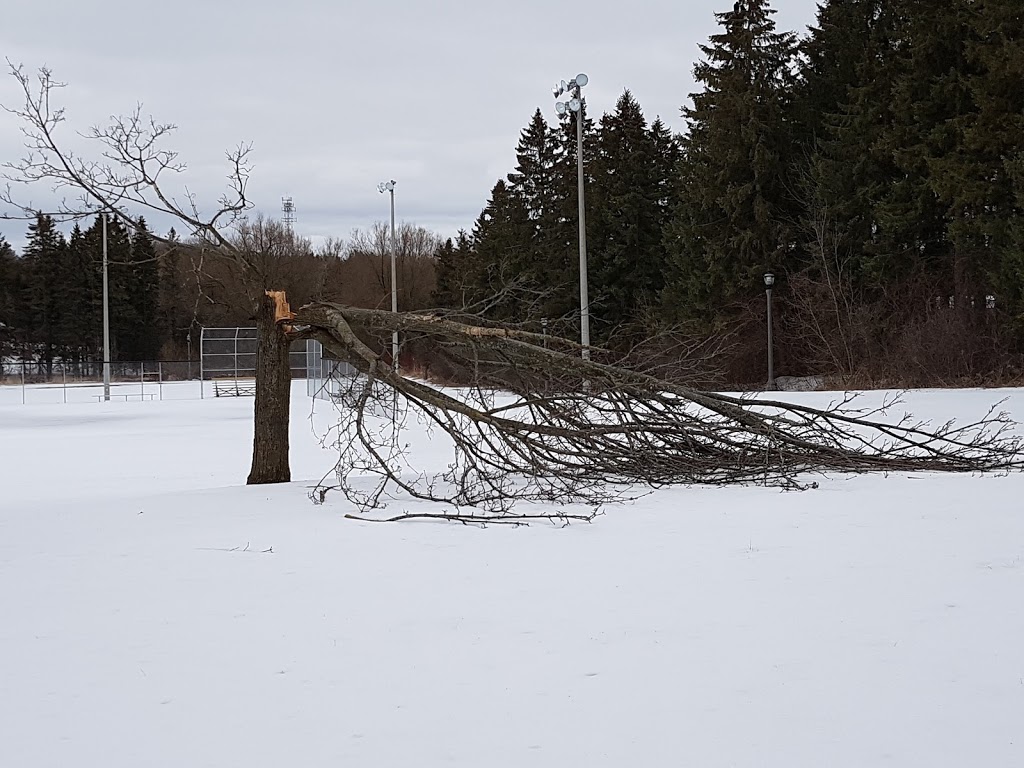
{"type": "Point", "coordinates": [120, 284]}
{"type": "Point", "coordinates": [984, 176]}
{"type": "Point", "coordinates": [502, 272]}
{"type": "Point", "coordinates": [627, 214]}
{"type": "Point", "coordinates": [145, 293]}
{"type": "Point", "coordinates": [81, 322]}
{"type": "Point", "coordinates": [176, 299]}
{"type": "Point", "coordinates": [454, 288]}
{"type": "Point", "coordinates": [735, 212]}
{"type": "Point", "coordinates": [846, 94]}
{"type": "Point", "coordinates": [930, 99]}
{"type": "Point", "coordinates": [546, 261]}
{"type": "Point", "coordinates": [10, 288]}
{"type": "Point", "coordinates": [45, 290]}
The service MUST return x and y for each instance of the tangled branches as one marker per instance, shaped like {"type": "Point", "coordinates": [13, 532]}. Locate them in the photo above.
{"type": "Point", "coordinates": [538, 423]}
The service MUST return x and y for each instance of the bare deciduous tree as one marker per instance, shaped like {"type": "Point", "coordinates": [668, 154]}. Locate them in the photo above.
{"type": "Point", "coordinates": [131, 172]}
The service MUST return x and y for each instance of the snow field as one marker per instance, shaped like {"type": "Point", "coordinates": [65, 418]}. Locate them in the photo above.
{"type": "Point", "coordinates": [155, 611]}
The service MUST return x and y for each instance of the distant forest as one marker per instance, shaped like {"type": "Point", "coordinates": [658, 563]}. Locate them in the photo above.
{"type": "Point", "coordinates": [874, 165]}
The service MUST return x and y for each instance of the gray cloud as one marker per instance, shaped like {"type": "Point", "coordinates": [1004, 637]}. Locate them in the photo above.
{"type": "Point", "coordinates": [338, 96]}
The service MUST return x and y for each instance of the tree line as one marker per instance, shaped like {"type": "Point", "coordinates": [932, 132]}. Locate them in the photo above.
{"type": "Point", "coordinates": [874, 165]}
{"type": "Point", "coordinates": [162, 290]}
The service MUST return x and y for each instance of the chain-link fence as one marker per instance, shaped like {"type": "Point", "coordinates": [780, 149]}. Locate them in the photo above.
{"type": "Point", "coordinates": [226, 367]}
{"type": "Point", "coordinates": [325, 377]}
{"type": "Point", "coordinates": [230, 353]}
{"type": "Point", "coordinates": [82, 381]}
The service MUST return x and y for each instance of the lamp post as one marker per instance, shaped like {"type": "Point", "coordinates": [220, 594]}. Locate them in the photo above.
{"type": "Point", "coordinates": [769, 281]}
{"type": "Point", "coordinates": [564, 108]}
{"type": "Point", "coordinates": [389, 186]}
{"type": "Point", "coordinates": [106, 316]}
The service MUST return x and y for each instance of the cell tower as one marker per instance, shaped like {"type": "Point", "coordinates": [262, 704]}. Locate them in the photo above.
{"type": "Point", "coordinates": [288, 208]}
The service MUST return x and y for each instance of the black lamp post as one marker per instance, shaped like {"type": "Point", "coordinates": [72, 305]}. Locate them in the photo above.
{"type": "Point", "coordinates": [769, 281]}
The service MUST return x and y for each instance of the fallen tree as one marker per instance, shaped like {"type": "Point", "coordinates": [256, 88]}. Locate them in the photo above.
{"type": "Point", "coordinates": [536, 422]}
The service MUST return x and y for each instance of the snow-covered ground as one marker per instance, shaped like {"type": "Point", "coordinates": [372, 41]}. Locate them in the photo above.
{"type": "Point", "coordinates": [156, 612]}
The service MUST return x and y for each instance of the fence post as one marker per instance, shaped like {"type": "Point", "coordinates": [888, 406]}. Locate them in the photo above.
{"type": "Point", "coordinates": [160, 378]}
{"type": "Point", "coordinates": [202, 343]}
{"type": "Point", "coordinates": [22, 382]}
{"type": "Point", "coordinates": [64, 372]}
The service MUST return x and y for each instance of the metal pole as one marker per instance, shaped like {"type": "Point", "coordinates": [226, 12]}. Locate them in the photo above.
{"type": "Point", "coordinates": [23, 382]}
{"type": "Point", "coordinates": [771, 366]}
{"type": "Point", "coordinates": [584, 297]}
{"type": "Point", "coordinates": [394, 282]}
{"type": "Point", "coordinates": [64, 373]}
{"type": "Point", "coordinates": [202, 345]}
{"type": "Point", "coordinates": [106, 317]}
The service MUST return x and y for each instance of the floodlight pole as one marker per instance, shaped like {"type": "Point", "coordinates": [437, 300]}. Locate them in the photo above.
{"type": "Point", "coordinates": [389, 186]}
{"type": "Point", "coordinates": [584, 294]}
{"type": "Point", "coordinates": [106, 317]}
{"type": "Point", "coordinates": [394, 277]}
{"type": "Point", "coordinates": [575, 88]}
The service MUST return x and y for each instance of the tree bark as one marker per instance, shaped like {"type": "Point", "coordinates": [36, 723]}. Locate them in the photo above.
{"type": "Point", "coordinates": [273, 400]}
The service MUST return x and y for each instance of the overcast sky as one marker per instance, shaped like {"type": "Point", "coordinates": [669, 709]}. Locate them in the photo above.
{"type": "Point", "coordinates": [337, 96]}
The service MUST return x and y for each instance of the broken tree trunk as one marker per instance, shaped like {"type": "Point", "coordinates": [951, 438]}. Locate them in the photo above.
{"type": "Point", "coordinates": [273, 397]}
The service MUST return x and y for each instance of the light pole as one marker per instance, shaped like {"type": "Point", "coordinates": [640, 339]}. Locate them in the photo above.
{"type": "Point", "coordinates": [389, 186]}
{"type": "Point", "coordinates": [575, 104]}
{"type": "Point", "coordinates": [769, 281]}
{"type": "Point", "coordinates": [106, 316]}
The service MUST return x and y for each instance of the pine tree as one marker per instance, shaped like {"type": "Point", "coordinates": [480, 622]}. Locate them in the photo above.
{"type": "Point", "coordinates": [735, 213]}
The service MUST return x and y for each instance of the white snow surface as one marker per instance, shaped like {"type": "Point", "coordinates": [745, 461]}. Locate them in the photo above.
{"type": "Point", "coordinates": [145, 621]}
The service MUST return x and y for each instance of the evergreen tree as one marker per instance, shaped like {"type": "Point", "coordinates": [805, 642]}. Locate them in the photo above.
{"type": "Point", "coordinates": [120, 284]}
{"type": "Point", "coordinates": [997, 135]}
{"type": "Point", "coordinates": [82, 323]}
{"type": "Point", "coordinates": [847, 97]}
{"type": "Point", "coordinates": [454, 272]}
{"type": "Point", "coordinates": [834, 57]}
{"type": "Point", "coordinates": [982, 176]}
{"type": "Point", "coordinates": [930, 98]}
{"type": "Point", "coordinates": [45, 290]}
{"type": "Point", "coordinates": [629, 208]}
{"type": "Point", "coordinates": [500, 268]}
{"type": "Point", "coordinates": [176, 299]}
{"type": "Point", "coordinates": [145, 294]}
{"type": "Point", "coordinates": [10, 290]}
{"type": "Point", "coordinates": [735, 212]}
{"type": "Point", "coordinates": [546, 262]}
